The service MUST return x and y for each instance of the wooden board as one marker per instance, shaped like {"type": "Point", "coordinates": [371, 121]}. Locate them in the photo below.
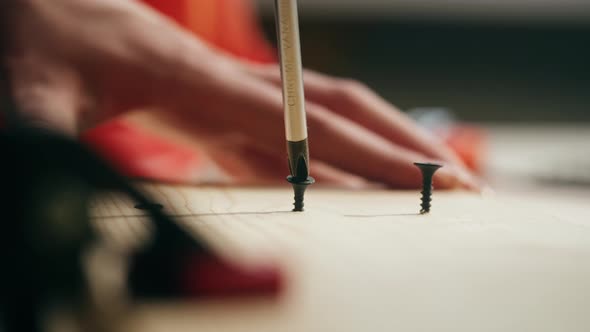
{"type": "Point", "coordinates": [366, 261]}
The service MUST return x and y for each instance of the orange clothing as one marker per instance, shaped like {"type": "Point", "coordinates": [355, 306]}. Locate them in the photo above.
{"type": "Point", "coordinates": [139, 153]}
{"type": "Point", "coordinates": [228, 24]}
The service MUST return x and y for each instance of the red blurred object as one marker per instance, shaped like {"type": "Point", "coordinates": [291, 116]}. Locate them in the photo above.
{"type": "Point", "coordinates": [174, 268]}
{"type": "Point", "coordinates": [227, 24]}
{"type": "Point", "coordinates": [470, 143]}
{"type": "Point", "coordinates": [139, 154]}
{"type": "Point", "coordinates": [209, 276]}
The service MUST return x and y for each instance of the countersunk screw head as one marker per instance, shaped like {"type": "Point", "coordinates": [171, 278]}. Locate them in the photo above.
{"type": "Point", "coordinates": [427, 170]}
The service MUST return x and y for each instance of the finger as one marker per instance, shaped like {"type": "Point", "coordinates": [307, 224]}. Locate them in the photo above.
{"type": "Point", "coordinates": [266, 167]}
{"type": "Point", "coordinates": [254, 107]}
{"type": "Point", "coordinates": [240, 160]}
{"type": "Point", "coordinates": [454, 176]}
{"type": "Point", "coordinates": [360, 104]}
{"type": "Point", "coordinates": [354, 101]}
{"type": "Point", "coordinates": [326, 174]}
{"type": "Point", "coordinates": [272, 166]}
{"type": "Point", "coordinates": [347, 145]}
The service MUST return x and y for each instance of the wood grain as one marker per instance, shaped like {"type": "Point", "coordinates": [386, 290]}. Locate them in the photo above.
{"type": "Point", "coordinates": [366, 261]}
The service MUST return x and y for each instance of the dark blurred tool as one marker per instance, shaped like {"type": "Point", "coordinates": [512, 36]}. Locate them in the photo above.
{"type": "Point", "coordinates": [49, 181]}
{"type": "Point", "coordinates": [287, 22]}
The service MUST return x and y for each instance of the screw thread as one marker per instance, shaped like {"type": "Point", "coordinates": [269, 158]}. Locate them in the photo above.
{"type": "Point", "coordinates": [298, 204]}
{"type": "Point", "coordinates": [426, 199]}
{"type": "Point", "coordinates": [299, 191]}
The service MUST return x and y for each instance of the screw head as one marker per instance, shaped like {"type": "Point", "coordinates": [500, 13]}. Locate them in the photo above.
{"type": "Point", "coordinates": [428, 169]}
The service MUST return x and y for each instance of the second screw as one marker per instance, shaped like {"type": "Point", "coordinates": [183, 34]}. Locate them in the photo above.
{"type": "Point", "coordinates": [427, 170]}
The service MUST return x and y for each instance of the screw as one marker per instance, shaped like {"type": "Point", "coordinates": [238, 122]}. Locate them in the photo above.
{"type": "Point", "coordinates": [427, 170]}
{"type": "Point", "coordinates": [299, 190]}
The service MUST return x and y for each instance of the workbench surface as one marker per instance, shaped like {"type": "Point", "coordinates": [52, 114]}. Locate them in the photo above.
{"type": "Point", "coordinates": [367, 261]}
{"type": "Point", "coordinates": [517, 260]}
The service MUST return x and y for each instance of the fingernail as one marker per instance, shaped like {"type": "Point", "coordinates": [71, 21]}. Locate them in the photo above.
{"type": "Point", "coordinates": [446, 178]}
{"type": "Point", "coordinates": [487, 191]}
{"type": "Point", "coordinates": [451, 176]}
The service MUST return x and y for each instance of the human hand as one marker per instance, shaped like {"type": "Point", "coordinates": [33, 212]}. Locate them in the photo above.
{"type": "Point", "coordinates": [76, 63]}
{"type": "Point", "coordinates": [396, 139]}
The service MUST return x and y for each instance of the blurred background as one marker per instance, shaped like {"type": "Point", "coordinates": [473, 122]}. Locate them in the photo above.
{"type": "Point", "coordinates": [524, 61]}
